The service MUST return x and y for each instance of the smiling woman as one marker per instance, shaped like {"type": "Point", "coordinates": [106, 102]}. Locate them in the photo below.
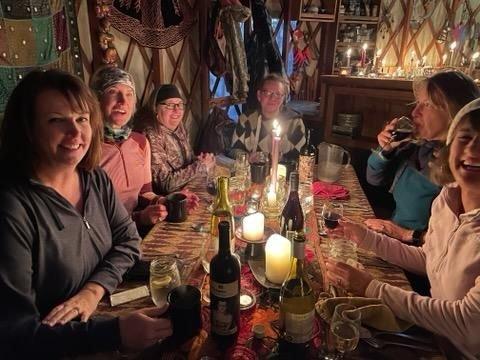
{"type": "Point", "coordinates": [61, 218]}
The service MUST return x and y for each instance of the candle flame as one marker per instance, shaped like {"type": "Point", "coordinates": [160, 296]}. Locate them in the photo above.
{"type": "Point", "coordinates": [364, 46]}
{"type": "Point", "coordinates": [276, 128]}
{"type": "Point", "coordinates": [475, 55]}
{"type": "Point", "coordinates": [444, 58]}
{"type": "Point", "coordinates": [349, 52]}
{"type": "Point", "coordinates": [453, 45]}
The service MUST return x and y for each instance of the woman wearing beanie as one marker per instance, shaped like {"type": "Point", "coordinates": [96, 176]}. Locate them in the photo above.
{"type": "Point", "coordinates": [126, 154]}
{"type": "Point", "coordinates": [173, 161]}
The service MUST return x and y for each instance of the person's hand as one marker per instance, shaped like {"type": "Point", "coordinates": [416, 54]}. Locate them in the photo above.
{"type": "Point", "coordinates": [208, 160]}
{"type": "Point", "coordinates": [192, 199]}
{"type": "Point", "coordinates": [389, 228]}
{"type": "Point", "coordinates": [153, 214]}
{"type": "Point", "coordinates": [144, 328]}
{"type": "Point", "coordinates": [347, 277]}
{"type": "Point", "coordinates": [82, 305]}
{"type": "Point", "coordinates": [352, 230]}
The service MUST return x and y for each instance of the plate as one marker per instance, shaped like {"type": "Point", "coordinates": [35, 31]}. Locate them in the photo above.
{"type": "Point", "coordinates": [258, 271]}
{"type": "Point", "coordinates": [266, 234]}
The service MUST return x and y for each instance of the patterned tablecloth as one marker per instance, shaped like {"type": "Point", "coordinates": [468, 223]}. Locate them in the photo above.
{"type": "Point", "coordinates": [188, 240]}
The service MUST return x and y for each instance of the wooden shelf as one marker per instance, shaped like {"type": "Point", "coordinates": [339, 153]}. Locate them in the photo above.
{"type": "Point", "coordinates": [358, 19]}
{"type": "Point", "coordinates": [361, 142]}
{"type": "Point", "coordinates": [316, 17]}
{"type": "Point", "coordinates": [355, 43]}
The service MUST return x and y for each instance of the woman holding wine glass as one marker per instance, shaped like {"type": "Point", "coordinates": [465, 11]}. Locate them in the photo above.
{"type": "Point", "coordinates": [403, 165]}
{"type": "Point", "coordinates": [450, 256]}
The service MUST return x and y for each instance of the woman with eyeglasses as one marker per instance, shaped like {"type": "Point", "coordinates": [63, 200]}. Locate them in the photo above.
{"type": "Point", "coordinates": [403, 166]}
{"type": "Point", "coordinates": [173, 161]}
{"type": "Point", "coordinates": [254, 131]}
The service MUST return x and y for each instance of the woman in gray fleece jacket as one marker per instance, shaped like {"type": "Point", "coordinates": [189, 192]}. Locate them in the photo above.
{"type": "Point", "coordinates": [66, 239]}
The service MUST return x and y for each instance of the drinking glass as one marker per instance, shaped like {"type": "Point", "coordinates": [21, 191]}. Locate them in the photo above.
{"type": "Point", "coordinates": [236, 194]}
{"type": "Point", "coordinates": [404, 128]}
{"type": "Point", "coordinates": [242, 166]}
{"type": "Point", "coordinates": [259, 167]}
{"type": "Point", "coordinates": [164, 276]}
{"type": "Point", "coordinates": [345, 328]}
{"type": "Point", "coordinates": [331, 213]}
{"type": "Point", "coordinates": [342, 249]}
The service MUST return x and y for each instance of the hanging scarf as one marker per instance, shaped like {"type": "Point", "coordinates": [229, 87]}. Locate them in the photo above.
{"type": "Point", "coordinates": [116, 134]}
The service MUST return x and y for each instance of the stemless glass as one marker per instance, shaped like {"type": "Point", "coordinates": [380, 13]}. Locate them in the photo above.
{"type": "Point", "coordinates": [331, 213]}
{"type": "Point", "coordinates": [345, 328]}
{"type": "Point", "coordinates": [164, 276]}
{"type": "Point", "coordinates": [237, 194]}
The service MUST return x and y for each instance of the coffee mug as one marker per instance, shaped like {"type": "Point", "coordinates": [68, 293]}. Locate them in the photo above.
{"type": "Point", "coordinates": [177, 207]}
{"type": "Point", "coordinates": [185, 312]}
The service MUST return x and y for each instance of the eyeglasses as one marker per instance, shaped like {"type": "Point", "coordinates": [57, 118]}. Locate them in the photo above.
{"type": "Point", "coordinates": [274, 94]}
{"type": "Point", "coordinates": [170, 106]}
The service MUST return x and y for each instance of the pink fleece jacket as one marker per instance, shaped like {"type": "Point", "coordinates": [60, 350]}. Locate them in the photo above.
{"type": "Point", "coordinates": [451, 259]}
{"type": "Point", "coordinates": [127, 163]}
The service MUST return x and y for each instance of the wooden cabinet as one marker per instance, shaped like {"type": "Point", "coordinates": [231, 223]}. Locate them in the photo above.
{"type": "Point", "coordinates": [317, 10]}
{"type": "Point", "coordinates": [357, 26]}
{"type": "Point", "coordinates": [375, 100]}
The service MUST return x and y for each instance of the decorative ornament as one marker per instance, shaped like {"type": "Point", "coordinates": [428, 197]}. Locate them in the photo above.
{"type": "Point", "coordinates": [105, 37]}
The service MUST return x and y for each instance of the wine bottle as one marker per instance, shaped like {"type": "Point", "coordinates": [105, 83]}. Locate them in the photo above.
{"type": "Point", "coordinates": [306, 160]}
{"type": "Point", "coordinates": [291, 220]}
{"type": "Point", "coordinates": [224, 292]}
{"type": "Point", "coordinates": [297, 305]}
{"type": "Point", "coordinates": [222, 211]}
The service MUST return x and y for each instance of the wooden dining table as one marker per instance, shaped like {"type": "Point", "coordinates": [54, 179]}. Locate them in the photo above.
{"type": "Point", "coordinates": [187, 241]}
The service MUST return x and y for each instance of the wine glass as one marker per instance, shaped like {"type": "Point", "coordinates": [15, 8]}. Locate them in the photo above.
{"type": "Point", "coordinates": [404, 128]}
{"type": "Point", "coordinates": [331, 213]}
{"type": "Point", "coordinates": [345, 328]}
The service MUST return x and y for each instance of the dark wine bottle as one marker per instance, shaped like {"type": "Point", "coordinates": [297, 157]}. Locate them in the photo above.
{"type": "Point", "coordinates": [224, 292]}
{"type": "Point", "coordinates": [291, 220]}
{"type": "Point", "coordinates": [306, 160]}
{"type": "Point", "coordinates": [297, 303]}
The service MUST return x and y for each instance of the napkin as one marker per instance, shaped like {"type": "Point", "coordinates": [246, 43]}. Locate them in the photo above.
{"type": "Point", "coordinates": [374, 313]}
{"type": "Point", "coordinates": [330, 191]}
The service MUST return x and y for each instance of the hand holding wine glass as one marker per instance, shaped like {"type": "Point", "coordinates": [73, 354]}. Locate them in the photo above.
{"type": "Point", "coordinates": [395, 132]}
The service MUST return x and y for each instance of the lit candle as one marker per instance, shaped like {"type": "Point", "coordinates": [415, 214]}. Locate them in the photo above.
{"type": "Point", "coordinates": [424, 61]}
{"type": "Point", "coordinates": [377, 55]}
{"type": "Point", "coordinates": [349, 54]}
{"type": "Point", "coordinates": [275, 150]}
{"type": "Point", "coordinates": [277, 258]}
{"type": "Point", "coordinates": [444, 59]}
{"type": "Point", "coordinates": [253, 226]}
{"type": "Point", "coordinates": [271, 197]}
{"type": "Point", "coordinates": [453, 45]}
{"type": "Point", "coordinates": [383, 65]}
{"type": "Point", "coordinates": [363, 55]}
{"type": "Point", "coordinates": [473, 62]}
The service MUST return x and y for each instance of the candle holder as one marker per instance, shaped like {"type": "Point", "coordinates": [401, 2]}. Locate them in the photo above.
{"type": "Point", "coordinates": [273, 199]}
{"type": "Point", "coordinates": [345, 70]}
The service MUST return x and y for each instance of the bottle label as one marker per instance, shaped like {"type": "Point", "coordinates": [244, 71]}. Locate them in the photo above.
{"type": "Point", "coordinates": [298, 327]}
{"type": "Point", "coordinates": [224, 303]}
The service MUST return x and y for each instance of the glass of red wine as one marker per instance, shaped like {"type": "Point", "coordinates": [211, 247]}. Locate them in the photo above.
{"type": "Point", "coordinates": [331, 213]}
{"type": "Point", "coordinates": [404, 129]}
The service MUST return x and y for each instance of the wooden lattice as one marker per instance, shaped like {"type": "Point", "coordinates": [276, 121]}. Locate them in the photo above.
{"type": "Point", "coordinates": [405, 45]}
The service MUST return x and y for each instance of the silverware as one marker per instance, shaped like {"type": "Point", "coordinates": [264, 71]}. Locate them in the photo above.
{"type": "Point", "coordinates": [380, 344]}
{"type": "Point", "coordinates": [367, 333]}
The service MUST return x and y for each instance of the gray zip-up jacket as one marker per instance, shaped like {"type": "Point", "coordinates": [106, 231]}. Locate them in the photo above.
{"type": "Point", "coordinates": [48, 251]}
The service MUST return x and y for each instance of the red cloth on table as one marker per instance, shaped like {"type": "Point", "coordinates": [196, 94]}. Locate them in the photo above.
{"type": "Point", "coordinates": [330, 191]}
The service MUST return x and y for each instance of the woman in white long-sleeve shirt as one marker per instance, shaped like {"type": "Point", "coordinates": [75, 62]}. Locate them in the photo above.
{"type": "Point", "coordinates": [451, 253]}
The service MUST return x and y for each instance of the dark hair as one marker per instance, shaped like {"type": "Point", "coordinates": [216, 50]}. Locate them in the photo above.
{"type": "Point", "coordinates": [17, 145]}
{"type": "Point", "coordinates": [440, 171]}
{"type": "Point", "coordinates": [449, 90]}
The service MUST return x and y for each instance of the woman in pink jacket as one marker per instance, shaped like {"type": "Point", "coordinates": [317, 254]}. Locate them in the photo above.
{"type": "Point", "coordinates": [450, 256]}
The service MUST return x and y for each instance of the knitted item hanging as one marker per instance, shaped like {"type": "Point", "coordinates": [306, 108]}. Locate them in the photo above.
{"type": "Point", "coordinates": [153, 23]}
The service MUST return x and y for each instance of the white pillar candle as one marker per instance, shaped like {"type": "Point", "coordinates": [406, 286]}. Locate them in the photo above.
{"type": "Point", "coordinates": [253, 226]}
{"type": "Point", "coordinates": [277, 258]}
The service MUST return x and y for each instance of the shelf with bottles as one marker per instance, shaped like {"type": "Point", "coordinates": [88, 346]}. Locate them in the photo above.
{"type": "Point", "coordinates": [359, 11]}
{"type": "Point", "coordinates": [317, 10]}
